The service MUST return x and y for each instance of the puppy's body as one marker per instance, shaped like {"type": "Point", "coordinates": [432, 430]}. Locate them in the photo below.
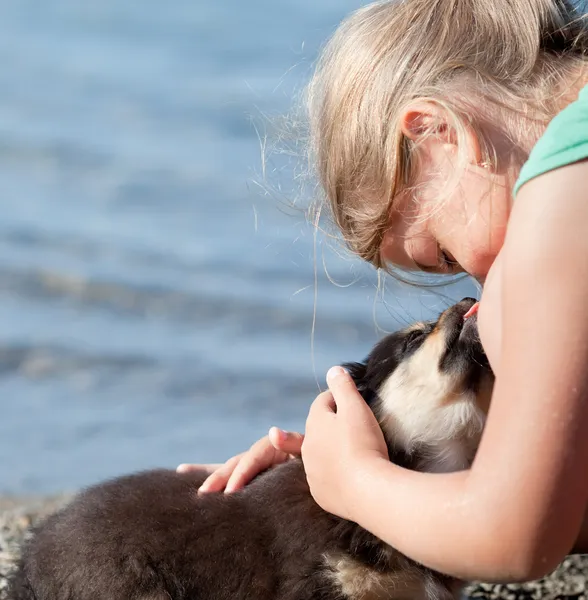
{"type": "Point", "coordinates": [150, 536]}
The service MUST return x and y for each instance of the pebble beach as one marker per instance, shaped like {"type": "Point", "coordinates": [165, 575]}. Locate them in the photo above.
{"type": "Point", "coordinates": [17, 515]}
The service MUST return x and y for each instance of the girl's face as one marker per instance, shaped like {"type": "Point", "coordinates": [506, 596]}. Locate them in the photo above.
{"type": "Point", "coordinates": [442, 227]}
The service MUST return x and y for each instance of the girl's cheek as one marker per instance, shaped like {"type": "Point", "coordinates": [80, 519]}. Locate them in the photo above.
{"type": "Point", "coordinates": [484, 245]}
{"type": "Point", "coordinates": [479, 265]}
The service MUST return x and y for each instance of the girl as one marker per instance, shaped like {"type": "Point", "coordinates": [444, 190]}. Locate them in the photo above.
{"type": "Point", "coordinates": [423, 117]}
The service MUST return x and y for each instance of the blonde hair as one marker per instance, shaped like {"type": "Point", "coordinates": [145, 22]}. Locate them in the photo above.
{"type": "Point", "coordinates": [514, 53]}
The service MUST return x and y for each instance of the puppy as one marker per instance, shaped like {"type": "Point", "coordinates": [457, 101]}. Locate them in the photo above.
{"type": "Point", "coordinates": [150, 536]}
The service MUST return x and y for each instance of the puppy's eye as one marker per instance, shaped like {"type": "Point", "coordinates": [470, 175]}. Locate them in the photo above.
{"type": "Point", "coordinates": [412, 339]}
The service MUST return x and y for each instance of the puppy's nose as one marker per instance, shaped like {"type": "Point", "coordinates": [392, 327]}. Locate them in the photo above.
{"type": "Point", "coordinates": [462, 308]}
{"type": "Point", "coordinates": [468, 300]}
{"type": "Point", "coordinates": [466, 304]}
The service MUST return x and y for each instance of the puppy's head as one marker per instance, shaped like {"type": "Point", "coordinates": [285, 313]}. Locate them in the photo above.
{"type": "Point", "coordinates": [429, 386]}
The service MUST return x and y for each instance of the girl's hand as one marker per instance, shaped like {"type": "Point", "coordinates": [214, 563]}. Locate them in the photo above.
{"type": "Point", "coordinates": [274, 449]}
{"type": "Point", "coordinates": [342, 435]}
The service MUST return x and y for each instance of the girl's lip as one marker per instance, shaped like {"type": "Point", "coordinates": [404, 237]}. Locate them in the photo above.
{"type": "Point", "coordinates": [472, 311]}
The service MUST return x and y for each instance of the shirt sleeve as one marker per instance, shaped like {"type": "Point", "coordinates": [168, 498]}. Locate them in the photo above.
{"type": "Point", "coordinates": [565, 141]}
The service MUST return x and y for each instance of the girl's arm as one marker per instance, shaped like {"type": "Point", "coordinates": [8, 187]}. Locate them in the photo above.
{"type": "Point", "coordinates": [518, 511]}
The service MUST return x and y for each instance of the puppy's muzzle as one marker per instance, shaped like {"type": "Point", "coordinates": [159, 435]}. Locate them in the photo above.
{"type": "Point", "coordinates": [463, 348]}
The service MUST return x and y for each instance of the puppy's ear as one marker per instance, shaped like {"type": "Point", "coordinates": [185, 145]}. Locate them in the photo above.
{"type": "Point", "coordinates": [358, 372]}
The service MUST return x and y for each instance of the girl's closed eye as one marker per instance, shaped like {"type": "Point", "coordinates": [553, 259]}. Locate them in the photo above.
{"type": "Point", "coordinates": [447, 262]}
{"type": "Point", "coordinates": [442, 262]}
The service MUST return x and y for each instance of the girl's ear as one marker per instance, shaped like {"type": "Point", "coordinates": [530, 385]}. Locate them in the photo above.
{"type": "Point", "coordinates": [426, 122]}
{"type": "Point", "coordinates": [422, 119]}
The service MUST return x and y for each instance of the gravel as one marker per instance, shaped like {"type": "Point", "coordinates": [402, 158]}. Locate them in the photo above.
{"type": "Point", "coordinates": [17, 515]}
{"type": "Point", "coordinates": [569, 581]}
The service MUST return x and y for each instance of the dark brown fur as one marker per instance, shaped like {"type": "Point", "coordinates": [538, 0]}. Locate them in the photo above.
{"type": "Point", "coordinates": [150, 536]}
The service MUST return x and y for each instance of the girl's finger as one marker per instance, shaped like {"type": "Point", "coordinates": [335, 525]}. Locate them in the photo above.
{"type": "Point", "coordinates": [252, 464]}
{"type": "Point", "coordinates": [288, 442]}
{"type": "Point", "coordinates": [324, 402]}
{"type": "Point", "coordinates": [217, 481]}
{"type": "Point", "coordinates": [189, 468]}
{"type": "Point", "coordinates": [321, 414]}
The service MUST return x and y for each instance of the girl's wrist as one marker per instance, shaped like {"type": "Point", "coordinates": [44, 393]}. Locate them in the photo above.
{"type": "Point", "coordinates": [364, 475]}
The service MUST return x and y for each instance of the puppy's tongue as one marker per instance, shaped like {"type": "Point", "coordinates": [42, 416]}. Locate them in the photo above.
{"type": "Point", "coordinates": [472, 311]}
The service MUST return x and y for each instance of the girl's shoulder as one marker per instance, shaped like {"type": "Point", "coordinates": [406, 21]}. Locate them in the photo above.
{"type": "Point", "coordinates": [565, 141]}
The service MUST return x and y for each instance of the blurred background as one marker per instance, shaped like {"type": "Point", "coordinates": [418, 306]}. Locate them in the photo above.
{"type": "Point", "coordinates": [156, 300]}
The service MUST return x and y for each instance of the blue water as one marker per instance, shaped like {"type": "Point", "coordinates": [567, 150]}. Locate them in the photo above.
{"type": "Point", "coordinates": [156, 302]}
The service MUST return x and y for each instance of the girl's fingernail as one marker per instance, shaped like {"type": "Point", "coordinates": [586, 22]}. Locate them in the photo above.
{"type": "Point", "coordinates": [182, 469]}
{"type": "Point", "coordinates": [335, 372]}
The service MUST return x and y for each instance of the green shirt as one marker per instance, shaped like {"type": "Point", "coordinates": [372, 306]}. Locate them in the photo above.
{"type": "Point", "coordinates": [565, 141]}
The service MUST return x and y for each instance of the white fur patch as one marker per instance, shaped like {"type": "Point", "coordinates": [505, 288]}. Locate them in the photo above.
{"type": "Point", "coordinates": [423, 406]}
{"type": "Point", "coordinates": [358, 581]}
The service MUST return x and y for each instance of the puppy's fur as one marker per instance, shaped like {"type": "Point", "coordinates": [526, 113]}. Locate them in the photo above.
{"type": "Point", "coordinates": [150, 536]}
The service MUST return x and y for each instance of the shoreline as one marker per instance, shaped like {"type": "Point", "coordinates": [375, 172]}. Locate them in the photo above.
{"type": "Point", "coordinates": [18, 514]}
